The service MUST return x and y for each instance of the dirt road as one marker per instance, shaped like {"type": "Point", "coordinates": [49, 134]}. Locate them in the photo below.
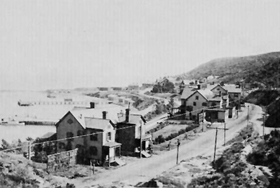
{"type": "Point", "coordinates": [145, 169]}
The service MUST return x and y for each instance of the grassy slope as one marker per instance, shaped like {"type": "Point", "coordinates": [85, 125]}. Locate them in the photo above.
{"type": "Point", "coordinates": [262, 68]}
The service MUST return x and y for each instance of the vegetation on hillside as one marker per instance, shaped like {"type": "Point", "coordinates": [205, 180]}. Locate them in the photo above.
{"type": "Point", "coordinates": [262, 97]}
{"type": "Point", "coordinates": [258, 69]}
{"type": "Point", "coordinates": [270, 100]}
{"type": "Point", "coordinates": [231, 169]}
{"type": "Point", "coordinates": [267, 154]}
{"type": "Point", "coordinates": [165, 86]}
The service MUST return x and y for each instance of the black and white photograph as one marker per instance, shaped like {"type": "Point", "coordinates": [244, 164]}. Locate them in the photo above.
{"type": "Point", "coordinates": [139, 93]}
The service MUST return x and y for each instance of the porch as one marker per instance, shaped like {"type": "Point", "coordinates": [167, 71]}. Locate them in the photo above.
{"type": "Point", "coordinates": [111, 151]}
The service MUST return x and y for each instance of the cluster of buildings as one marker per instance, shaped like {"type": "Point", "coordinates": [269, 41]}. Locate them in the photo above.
{"type": "Point", "coordinates": [103, 133]}
{"type": "Point", "coordinates": [212, 99]}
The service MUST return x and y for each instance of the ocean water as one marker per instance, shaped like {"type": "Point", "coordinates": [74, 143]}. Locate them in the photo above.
{"type": "Point", "coordinates": [10, 110]}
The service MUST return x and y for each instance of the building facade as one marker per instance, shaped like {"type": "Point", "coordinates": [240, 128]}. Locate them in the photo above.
{"type": "Point", "coordinates": [94, 137]}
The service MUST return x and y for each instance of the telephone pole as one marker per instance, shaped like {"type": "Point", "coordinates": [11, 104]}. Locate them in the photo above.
{"type": "Point", "coordinates": [248, 116]}
{"type": "Point", "coordinates": [225, 133]}
{"type": "Point", "coordinates": [215, 146]}
{"type": "Point", "coordinates": [140, 140]}
{"type": "Point", "coordinates": [178, 144]}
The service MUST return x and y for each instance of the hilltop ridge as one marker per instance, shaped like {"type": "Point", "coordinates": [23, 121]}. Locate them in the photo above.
{"type": "Point", "coordinates": [262, 67]}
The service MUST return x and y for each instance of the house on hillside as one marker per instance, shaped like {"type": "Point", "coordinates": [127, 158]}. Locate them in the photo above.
{"type": "Point", "coordinates": [219, 90]}
{"type": "Point", "coordinates": [197, 100]}
{"type": "Point", "coordinates": [100, 143]}
{"type": "Point", "coordinates": [131, 134]}
{"type": "Point", "coordinates": [231, 90]}
{"type": "Point", "coordinates": [234, 92]}
{"type": "Point", "coordinates": [194, 102]}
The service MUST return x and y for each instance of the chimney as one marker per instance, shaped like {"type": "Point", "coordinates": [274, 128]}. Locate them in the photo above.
{"type": "Point", "coordinates": [81, 116]}
{"type": "Point", "coordinates": [198, 86]}
{"type": "Point", "coordinates": [104, 114]}
{"type": "Point", "coordinates": [127, 115]}
{"type": "Point", "coordinates": [92, 105]}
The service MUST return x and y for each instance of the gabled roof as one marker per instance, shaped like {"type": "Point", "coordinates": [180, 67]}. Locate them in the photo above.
{"type": "Point", "coordinates": [218, 85]}
{"type": "Point", "coordinates": [95, 123]}
{"type": "Point", "coordinates": [206, 93]}
{"type": "Point", "coordinates": [88, 122]}
{"type": "Point", "coordinates": [231, 88]}
{"type": "Point", "coordinates": [187, 92]}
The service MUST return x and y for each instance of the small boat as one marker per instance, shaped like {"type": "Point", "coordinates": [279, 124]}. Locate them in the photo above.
{"type": "Point", "coordinates": [20, 103]}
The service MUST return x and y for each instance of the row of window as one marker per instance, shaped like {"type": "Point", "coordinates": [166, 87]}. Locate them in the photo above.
{"type": "Point", "coordinates": [93, 137]}
{"type": "Point", "coordinates": [92, 149]}
{"type": "Point", "coordinates": [203, 104]}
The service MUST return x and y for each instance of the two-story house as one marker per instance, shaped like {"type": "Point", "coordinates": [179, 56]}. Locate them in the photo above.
{"type": "Point", "coordinates": [95, 137]}
{"type": "Point", "coordinates": [195, 101]}
{"type": "Point", "coordinates": [232, 91]}
{"type": "Point", "coordinates": [131, 133]}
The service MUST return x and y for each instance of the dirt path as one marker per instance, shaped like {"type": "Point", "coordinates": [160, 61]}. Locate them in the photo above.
{"type": "Point", "coordinates": [145, 169]}
{"type": "Point", "coordinates": [258, 125]}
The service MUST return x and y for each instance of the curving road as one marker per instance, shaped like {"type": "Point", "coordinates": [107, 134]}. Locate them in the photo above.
{"type": "Point", "coordinates": [145, 169]}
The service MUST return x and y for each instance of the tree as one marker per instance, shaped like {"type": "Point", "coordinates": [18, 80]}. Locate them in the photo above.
{"type": "Point", "coordinates": [164, 86]}
{"type": "Point", "coordinates": [5, 144]}
{"type": "Point", "coordinates": [29, 139]}
{"type": "Point", "coordinates": [170, 105]}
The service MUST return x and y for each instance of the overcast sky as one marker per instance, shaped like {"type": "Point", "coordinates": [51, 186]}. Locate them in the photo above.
{"type": "Point", "coordinates": [68, 44]}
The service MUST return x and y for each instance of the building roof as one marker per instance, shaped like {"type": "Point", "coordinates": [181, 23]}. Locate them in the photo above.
{"type": "Point", "coordinates": [187, 92]}
{"type": "Point", "coordinates": [95, 123]}
{"type": "Point", "coordinates": [208, 94]}
{"type": "Point", "coordinates": [91, 122]}
{"type": "Point", "coordinates": [111, 109]}
{"type": "Point", "coordinates": [231, 88]}
{"type": "Point", "coordinates": [133, 118]}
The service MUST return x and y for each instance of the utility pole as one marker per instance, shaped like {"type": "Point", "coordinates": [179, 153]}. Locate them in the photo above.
{"type": "Point", "coordinates": [140, 139]}
{"type": "Point", "coordinates": [215, 146]}
{"type": "Point", "coordinates": [225, 129]}
{"type": "Point", "coordinates": [224, 133]}
{"type": "Point", "coordinates": [248, 116]}
{"type": "Point", "coordinates": [178, 144]}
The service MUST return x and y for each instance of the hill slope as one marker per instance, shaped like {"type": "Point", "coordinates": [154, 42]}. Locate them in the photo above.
{"type": "Point", "coordinates": [262, 68]}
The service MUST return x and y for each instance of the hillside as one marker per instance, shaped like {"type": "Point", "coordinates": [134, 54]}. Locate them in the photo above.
{"type": "Point", "coordinates": [269, 100]}
{"type": "Point", "coordinates": [263, 68]}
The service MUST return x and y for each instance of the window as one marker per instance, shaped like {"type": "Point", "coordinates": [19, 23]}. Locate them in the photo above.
{"type": "Point", "coordinates": [109, 136]}
{"type": "Point", "coordinates": [93, 137]}
{"type": "Point", "coordinates": [194, 103]}
{"type": "Point", "coordinates": [79, 133]}
{"type": "Point", "coordinates": [69, 135]}
{"type": "Point", "coordinates": [204, 104]}
{"type": "Point", "coordinates": [70, 121]}
{"type": "Point", "coordinates": [196, 97]}
{"type": "Point", "coordinates": [93, 150]}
